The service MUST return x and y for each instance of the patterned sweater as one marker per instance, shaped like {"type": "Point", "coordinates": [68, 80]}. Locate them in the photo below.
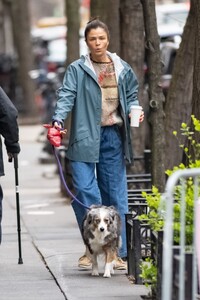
{"type": "Point", "coordinates": [110, 100]}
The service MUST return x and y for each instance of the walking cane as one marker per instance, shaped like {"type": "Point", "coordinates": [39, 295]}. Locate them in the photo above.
{"type": "Point", "coordinates": [20, 261]}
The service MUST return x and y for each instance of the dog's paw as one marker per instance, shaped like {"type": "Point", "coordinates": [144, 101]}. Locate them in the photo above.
{"type": "Point", "coordinates": [107, 274]}
{"type": "Point", "coordinates": [95, 273]}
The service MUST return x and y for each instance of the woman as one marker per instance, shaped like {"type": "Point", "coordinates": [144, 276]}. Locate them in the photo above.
{"type": "Point", "coordinates": [99, 89]}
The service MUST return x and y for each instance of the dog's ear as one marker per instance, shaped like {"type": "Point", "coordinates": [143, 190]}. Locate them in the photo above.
{"type": "Point", "coordinates": [112, 212]}
{"type": "Point", "coordinates": [111, 207]}
{"type": "Point", "coordinates": [91, 215]}
{"type": "Point", "coordinates": [111, 219]}
{"type": "Point", "coordinates": [89, 218]}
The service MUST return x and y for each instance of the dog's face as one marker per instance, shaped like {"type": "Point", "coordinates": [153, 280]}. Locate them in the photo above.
{"type": "Point", "coordinates": [101, 219]}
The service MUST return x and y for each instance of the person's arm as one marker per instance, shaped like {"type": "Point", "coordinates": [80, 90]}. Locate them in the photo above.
{"type": "Point", "coordinates": [132, 92]}
{"type": "Point", "coordinates": [66, 96]}
{"type": "Point", "coordinates": [131, 89]}
{"type": "Point", "coordinates": [8, 124]}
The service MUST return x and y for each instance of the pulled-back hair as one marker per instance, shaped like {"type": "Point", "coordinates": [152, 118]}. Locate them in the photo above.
{"type": "Point", "coordinates": [95, 23]}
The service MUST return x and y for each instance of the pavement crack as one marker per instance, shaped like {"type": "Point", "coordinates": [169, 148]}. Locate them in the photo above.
{"type": "Point", "coordinates": [46, 265]}
{"type": "Point", "coordinates": [42, 257]}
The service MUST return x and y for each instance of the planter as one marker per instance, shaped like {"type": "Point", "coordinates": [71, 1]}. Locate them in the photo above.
{"type": "Point", "coordinates": [142, 243]}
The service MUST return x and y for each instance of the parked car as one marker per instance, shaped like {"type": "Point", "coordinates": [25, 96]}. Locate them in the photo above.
{"type": "Point", "coordinates": [171, 19]}
{"type": "Point", "coordinates": [57, 52]}
{"type": "Point", "coordinates": [168, 51]}
{"type": "Point", "coordinates": [169, 14]}
{"type": "Point", "coordinates": [50, 47]}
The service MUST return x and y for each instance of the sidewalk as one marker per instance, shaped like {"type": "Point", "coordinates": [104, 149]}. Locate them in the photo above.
{"type": "Point", "coordinates": [51, 242]}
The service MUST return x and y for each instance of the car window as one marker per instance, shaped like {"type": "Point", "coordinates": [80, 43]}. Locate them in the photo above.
{"type": "Point", "coordinates": [170, 14]}
{"type": "Point", "coordinates": [171, 18]}
{"type": "Point", "coordinates": [57, 49]}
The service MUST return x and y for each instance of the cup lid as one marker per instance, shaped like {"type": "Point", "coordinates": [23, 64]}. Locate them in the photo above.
{"type": "Point", "coordinates": [136, 106]}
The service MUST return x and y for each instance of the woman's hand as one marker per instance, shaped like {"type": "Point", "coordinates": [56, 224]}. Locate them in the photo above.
{"type": "Point", "coordinates": [141, 116]}
{"type": "Point", "coordinates": [57, 125]}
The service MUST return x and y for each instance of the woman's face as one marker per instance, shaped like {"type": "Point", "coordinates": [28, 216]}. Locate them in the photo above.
{"type": "Point", "coordinates": [97, 41]}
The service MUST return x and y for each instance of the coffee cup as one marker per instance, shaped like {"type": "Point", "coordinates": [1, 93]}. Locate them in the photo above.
{"type": "Point", "coordinates": [135, 115]}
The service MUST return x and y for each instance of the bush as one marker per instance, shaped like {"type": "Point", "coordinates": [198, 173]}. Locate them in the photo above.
{"type": "Point", "coordinates": [155, 215]}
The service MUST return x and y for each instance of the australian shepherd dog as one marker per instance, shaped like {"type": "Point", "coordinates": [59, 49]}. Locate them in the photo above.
{"type": "Point", "coordinates": [102, 235]}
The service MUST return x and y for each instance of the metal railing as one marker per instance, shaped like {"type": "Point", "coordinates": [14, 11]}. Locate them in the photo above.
{"type": "Point", "coordinates": [179, 178]}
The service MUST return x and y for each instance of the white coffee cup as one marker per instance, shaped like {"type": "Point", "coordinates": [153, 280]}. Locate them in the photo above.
{"type": "Point", "coordinates": [135, 115]}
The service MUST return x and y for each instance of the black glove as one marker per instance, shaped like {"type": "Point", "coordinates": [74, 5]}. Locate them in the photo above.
{"type": "Point", "coordinates": [11, 156]}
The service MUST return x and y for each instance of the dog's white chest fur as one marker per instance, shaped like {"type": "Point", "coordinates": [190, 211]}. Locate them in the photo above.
{"type": "Point", "coordinates": [101, 234]}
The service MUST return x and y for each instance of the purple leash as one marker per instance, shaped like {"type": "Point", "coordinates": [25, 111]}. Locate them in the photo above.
{"type": "Point", "coordinates": [64, 182]}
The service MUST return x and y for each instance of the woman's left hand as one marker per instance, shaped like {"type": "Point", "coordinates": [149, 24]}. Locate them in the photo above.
{"type": "Point", "coordinates": [141, 116]}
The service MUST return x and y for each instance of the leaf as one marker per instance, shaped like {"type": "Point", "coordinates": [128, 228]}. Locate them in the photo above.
{"type": "Point", "coordinates": [183, 125]}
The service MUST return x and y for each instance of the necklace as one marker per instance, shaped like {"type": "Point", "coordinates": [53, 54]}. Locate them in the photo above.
{"type": "Point", "coordinates": [101, 62]}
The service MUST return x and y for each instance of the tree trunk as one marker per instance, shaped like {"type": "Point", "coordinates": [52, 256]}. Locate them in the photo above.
{"type": "Point", "coordinates": [132, 51]}
{"type": "Point", "coordinates": [196, 77]}
{"type": "Point", "coordinates": [156, 96]}
{"type": "Point", "coordinates": [2, 32]}
{"type": "Point", "coordinates": [179, 98]}
{"type": "Point", "coordinates": [21, 30]}
{"type": "Point", "coordinates": [8, 31]}
{"type": "Point", "coordinates": [73, 27]}
{"type": "Point", "coordinates": [132, 35]}
{"type": "Point", "coordinates": [108, 12]}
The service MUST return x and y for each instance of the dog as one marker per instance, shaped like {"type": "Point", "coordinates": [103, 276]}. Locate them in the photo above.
{"type": "Point", "coordinates": [101, 233]}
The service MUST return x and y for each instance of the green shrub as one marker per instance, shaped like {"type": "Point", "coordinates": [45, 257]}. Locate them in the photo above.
{"type": "Point", "coordinates": [154, 200]}
{"type": "Point", "coordinates": [148, 272]}
{"type": "Point", "coordinates": [154, 217]}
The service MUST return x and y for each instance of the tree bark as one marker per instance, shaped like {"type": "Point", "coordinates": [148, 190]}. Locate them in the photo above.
{"type": "Point", "coordinates": [132, 35]}
{"type": "Point", "coordinates": [21, 30]}
{"type": "Point", "coordinates": [178, 106]}
{"type": "Point", "coordinates": [156, 97]}
{"type": "Point", "coordinates": [132, 51]}
{"type": "Point", "coordinates": [8, 31]}
{"type": "Point", "coordinates": [2, 31]}
{"type": "Point", "coordinates": [196, 77]}
{"type": "Point", "coordinates": [73, 27]}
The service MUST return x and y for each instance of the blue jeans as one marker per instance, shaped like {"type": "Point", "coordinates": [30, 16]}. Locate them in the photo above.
{"type": "Point", "coordinates": [103, 182]}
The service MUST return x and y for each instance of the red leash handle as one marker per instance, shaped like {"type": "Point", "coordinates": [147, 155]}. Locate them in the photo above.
{"type": "Point", "coordinates": [54, 135]}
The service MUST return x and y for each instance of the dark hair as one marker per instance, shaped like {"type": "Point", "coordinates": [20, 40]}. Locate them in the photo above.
{"type": "Point", "coordinates": [95, 23]}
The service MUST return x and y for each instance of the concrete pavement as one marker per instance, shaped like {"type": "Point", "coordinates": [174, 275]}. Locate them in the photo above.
{"type": "Point", "coordinates": [51, 242]}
